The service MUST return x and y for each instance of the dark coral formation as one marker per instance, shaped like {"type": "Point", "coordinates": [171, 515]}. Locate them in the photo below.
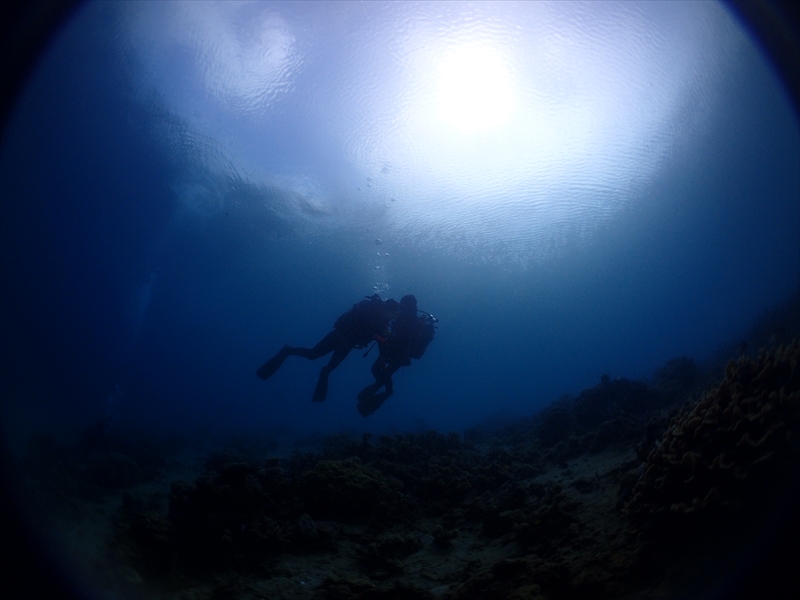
{"type": "Point", "coordinates": [612, 413]}
{"type": "Point", "coordinates": [348, 588]}
{"type": "Point", "coordinates": [535, 514]}
{"type": "Point", "coordinates": [713, 449]}
{"type": "Point", "coordinates": [240, 512]}
{"type": "Point", "coordinates": [555, 506]}
{"type": "Point", "coordinates": [244, 510]}
{"type": "Point", "coordinates": [401, 500]}
{"type": "Point", "coordinates": [347, 489]}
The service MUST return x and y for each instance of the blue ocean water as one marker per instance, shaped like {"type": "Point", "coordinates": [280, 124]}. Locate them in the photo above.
{"type": "Point", "coordinates": [571, 189]}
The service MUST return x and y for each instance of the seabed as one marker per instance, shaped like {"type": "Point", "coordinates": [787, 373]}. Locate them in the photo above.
{"type": "Point", "coordinates": [631, 489]}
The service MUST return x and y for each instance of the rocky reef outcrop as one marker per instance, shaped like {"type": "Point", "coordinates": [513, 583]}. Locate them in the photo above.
{"type": "Point", "coordinates": [558, 505]}
{"type": "Point", "coordinates": [549, 507]}
{"type": "Point", "coordinates": [720, 448]}
{"type": "Point", "coordinates": [612, 413]}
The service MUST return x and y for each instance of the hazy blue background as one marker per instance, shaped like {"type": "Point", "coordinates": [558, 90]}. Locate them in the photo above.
{"type": "Point", "coordinates": [572, 189]}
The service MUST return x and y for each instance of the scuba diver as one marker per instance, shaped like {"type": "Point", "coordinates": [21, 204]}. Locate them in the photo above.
{"type": "Point", "coordinates": [411, 334]}
{"type": "Point", "coordinates": [368, 320]}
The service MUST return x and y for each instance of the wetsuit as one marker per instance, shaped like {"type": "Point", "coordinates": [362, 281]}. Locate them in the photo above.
{"type": "Point", "coordinates": [354, 329]}
{"type": "Point", "coordinates": [395, 353]}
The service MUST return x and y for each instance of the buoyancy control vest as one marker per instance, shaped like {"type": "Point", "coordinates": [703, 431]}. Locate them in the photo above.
{"type": "Point", "coordinates": [365, 320]}
{"type": "Point", "coordinates": [423, 335]}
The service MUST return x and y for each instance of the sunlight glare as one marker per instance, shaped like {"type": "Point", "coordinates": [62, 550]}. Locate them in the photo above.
{"type": "Point", "coordinates": [475, 90]}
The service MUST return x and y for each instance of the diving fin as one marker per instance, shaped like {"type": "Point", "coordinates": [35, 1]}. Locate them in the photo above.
{"type": "Point", "coordinates": [370, 405]}
{"type": "Point", "coordinates": [268, 369]}
{"type": "Point", "coordinates": [322, 386]}
{"type": "Point", "coordinates": [368, 391]}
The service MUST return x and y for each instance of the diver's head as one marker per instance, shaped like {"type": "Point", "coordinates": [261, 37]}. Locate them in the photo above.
{"type": "Point", "coordinates": [408, 304]}
{"type": "Point", "coordinates": [391, 307]}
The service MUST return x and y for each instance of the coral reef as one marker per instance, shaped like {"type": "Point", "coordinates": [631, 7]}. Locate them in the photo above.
{"type": "Point", "coordinates": [713, 451]}
{"type": "Point", "coordinates": [345, 588]}
{"type": "Point", "coordinates": [152, 533]}
{"type": "Point", "coordinates": [554, 506]}
{"type": "Point", "coordinates": [677, 378]}
{"type": "Point", "coordinates": [347, 489]}
{"type": "Point", "coordinates": [244, 511]}
{"type": "Point", "coordinates": [610, 414]}
{"type": "Point", "coordinates": [535, 514]}
{"type": "Point", "coordinates": [383, 557]}
{"type": "Point", "coordinates": [395, 509]}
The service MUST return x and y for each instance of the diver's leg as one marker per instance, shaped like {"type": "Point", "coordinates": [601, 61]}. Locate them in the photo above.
{"type": "Point", "coordinates": [377, 372]}
{"type": "Point", "coordinates": [377, 367]}
{"type": "Point", "coordinates": [268, 369]}
{"type": "Point", "coordinates": [368, 399]}
{"type": "Point", "coordinates": [391, 369]}
{"type": "Point", "coordinates": [339, 354]}
{"type": "Point", "coordinates": [327, 344]}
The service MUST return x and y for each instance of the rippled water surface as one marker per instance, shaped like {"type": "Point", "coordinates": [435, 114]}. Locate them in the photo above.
{"type": "Point", "coordinates": [572, 188]}
{"type": "Point", "coordinates": [578, 191]}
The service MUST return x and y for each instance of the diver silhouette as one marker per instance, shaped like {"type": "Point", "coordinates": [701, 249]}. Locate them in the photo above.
{"type": "Point", "coordinates": [411, 333]}
{"type": "Point", "coordinates": [367, 321]}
